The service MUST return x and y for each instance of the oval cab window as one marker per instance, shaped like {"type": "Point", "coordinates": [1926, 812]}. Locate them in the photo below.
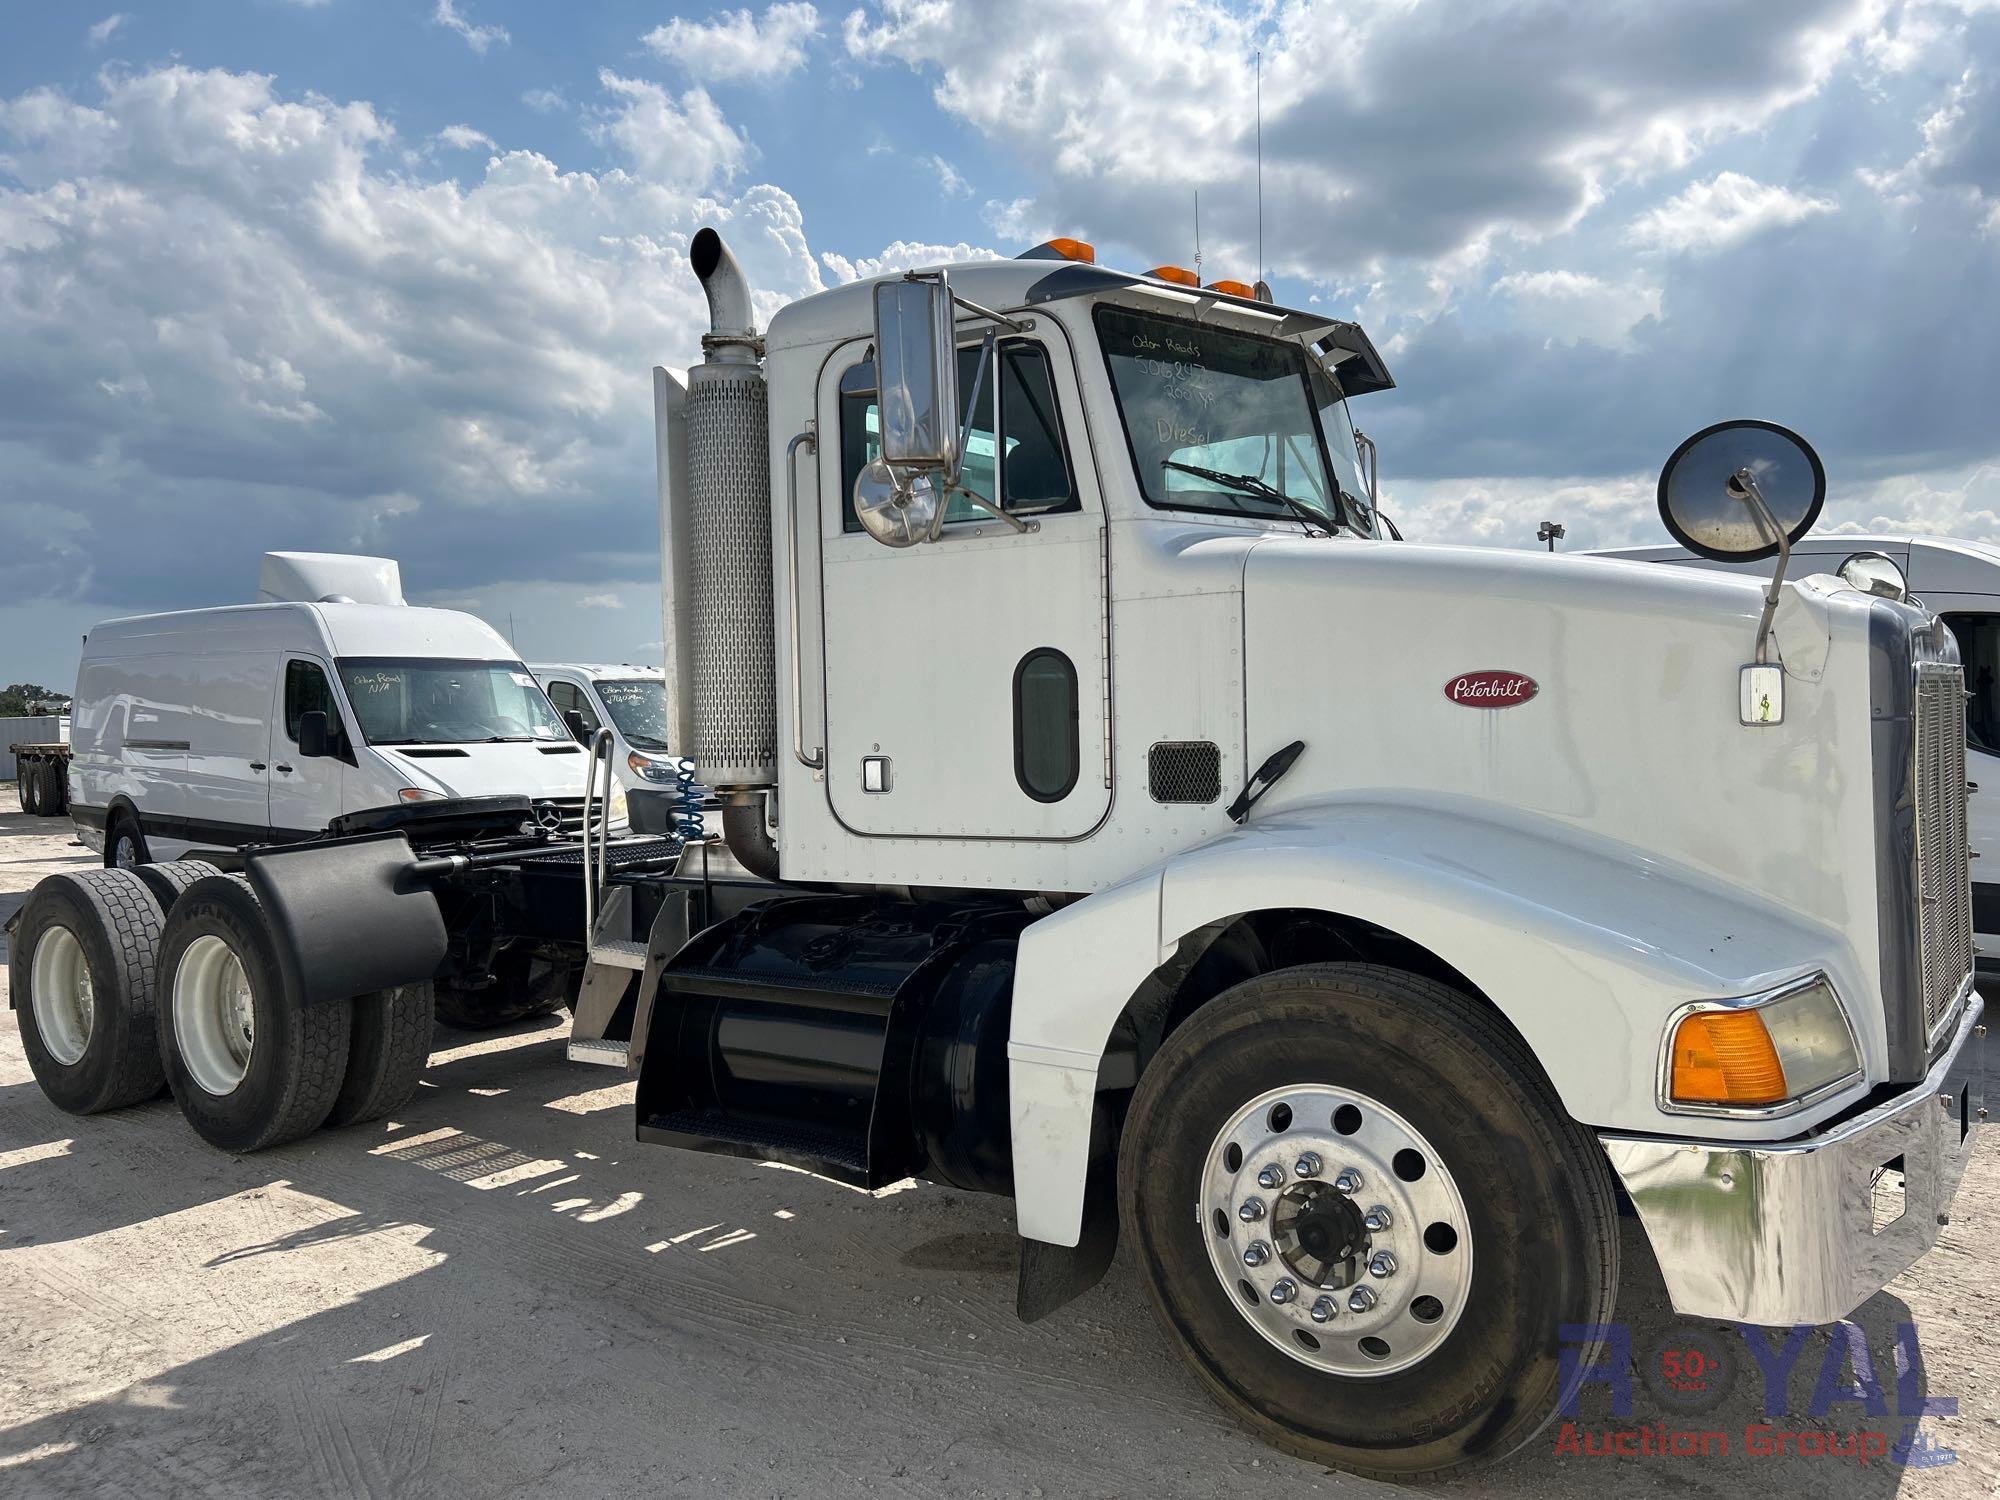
{"type": "Point", "coordinates": [1045, 725]}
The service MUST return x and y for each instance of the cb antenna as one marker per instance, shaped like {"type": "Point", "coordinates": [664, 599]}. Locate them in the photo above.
{"type": "Point", "coordinates": [1197, 234]}
{"type": "Point", "coordinates": [1260, 163]}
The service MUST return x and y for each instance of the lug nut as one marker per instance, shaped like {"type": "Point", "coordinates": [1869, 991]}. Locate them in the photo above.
{"type": "Point", "coordinates": [1376, 1219]}
{"type": "Point", "coordinates": [1256, 1254]}
{"type": "Point", "coordinates": [1272, 1176]}
{"type": "Point", "coordinates": [1349, 1181]}
{"type": "Point", "coordinates": [1360, 1299]}
{"type": "Point", "coordinates": [1251, 1211]}
{"type": "Point", "coordinates": [1284, 1291]}
{"type": "Point", "coordinates": [1323, 1309]}
{"type": "Point", "coordinates": [1307, 1165]}
{"type": "Point", "coordinates": [1384, 1264]}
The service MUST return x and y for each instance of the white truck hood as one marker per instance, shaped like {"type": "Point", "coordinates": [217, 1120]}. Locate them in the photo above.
{"type": "Point", "coordinates": [508, 770]}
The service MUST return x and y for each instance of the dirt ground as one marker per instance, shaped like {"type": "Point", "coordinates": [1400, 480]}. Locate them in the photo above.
{"type": "Point", "coordinates": [500, 1293]}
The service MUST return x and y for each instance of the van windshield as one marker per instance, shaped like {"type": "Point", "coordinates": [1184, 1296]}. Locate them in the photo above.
{"type": "Point", "coordinates": [429, 701]}
{"type": "Point", "coordinates": [638, 706]}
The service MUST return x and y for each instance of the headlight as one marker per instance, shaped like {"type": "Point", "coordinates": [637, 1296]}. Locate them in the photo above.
{"type": "Point", "coordinates": [652, 770]}
{"type": "Point", "coordinates": [1759, 1053]}
{"type": "Point", "coordinates": [614, 805]}
{"type": "Point", "coordinates": [420, 794]}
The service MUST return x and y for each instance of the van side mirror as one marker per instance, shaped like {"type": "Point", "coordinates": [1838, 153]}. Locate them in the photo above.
{"type": "Point", "coordinates": [916, 372]}
{"type": "Point", "coordinates": [574, 718]}
{"type": "Point", "coordinates": [315, 742]}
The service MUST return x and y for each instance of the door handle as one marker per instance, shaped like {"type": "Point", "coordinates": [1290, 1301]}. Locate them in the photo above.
{"type": "Point", "coordinates": [256, 765]}
{"type": "Point", "coordinates": [286, 769]}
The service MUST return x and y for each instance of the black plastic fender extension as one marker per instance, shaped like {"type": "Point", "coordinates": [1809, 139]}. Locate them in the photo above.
{"type": "Point", "coordinates": [346, 916]}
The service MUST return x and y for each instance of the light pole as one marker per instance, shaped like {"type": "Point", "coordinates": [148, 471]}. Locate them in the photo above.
{"type": "Point", "coordinates": [1551, 533]}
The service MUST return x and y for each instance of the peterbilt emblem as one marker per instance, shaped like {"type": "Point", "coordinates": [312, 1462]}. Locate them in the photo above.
{"type": "Point", "coordinates": [550, 817]}
{"type": "Point", "coordinates": [1490, 689]}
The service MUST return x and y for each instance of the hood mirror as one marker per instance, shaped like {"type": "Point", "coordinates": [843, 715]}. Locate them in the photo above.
{"type": "Point", "coordinates": [1737, 492]}
{"type": "Point", "coordinates": [1740, 491]}
{"type": "Point", "coordinates": [1873, 573]}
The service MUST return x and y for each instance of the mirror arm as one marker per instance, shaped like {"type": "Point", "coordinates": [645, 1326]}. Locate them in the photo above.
{"type": "Point", "coordinates": [1744, 483]}
{"type": "Point", "coordinates": [1012, 325]}
{"type": "Point", "coordinates": [1025, 528]}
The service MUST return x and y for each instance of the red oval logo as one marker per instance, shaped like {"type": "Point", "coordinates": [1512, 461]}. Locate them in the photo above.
{"type": "Point", "coordinates": [1491, 689]}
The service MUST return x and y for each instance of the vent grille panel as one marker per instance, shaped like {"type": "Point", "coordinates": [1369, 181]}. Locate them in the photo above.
{"type": "Point", "coordinates": [1944, 891]}
{"type": "Point", "coordinates": [1188, 771]}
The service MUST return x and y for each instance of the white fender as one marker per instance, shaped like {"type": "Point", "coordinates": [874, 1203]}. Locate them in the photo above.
{"type": "Point", "coordinates": [1587, 947]}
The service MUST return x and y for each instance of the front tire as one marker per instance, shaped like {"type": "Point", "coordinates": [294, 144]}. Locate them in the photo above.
{"type": "Point", "coordinates": [249, 1066]}
{"type": "Point", "coordinates": [125, 843]}
{"type": "Point", "coordinates": [1496, 1216]}
{"type": "Point", "coordinates": [81, 968]}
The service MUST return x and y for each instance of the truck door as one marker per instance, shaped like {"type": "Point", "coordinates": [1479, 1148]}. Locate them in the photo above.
{"type": "Point", "coordinates": [305, 794]}
{"type": "Point", "coordinates": [965, 678]}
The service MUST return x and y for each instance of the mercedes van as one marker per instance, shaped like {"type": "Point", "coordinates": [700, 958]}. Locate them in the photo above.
{"type": "Point", "coordinates": [211, 729]}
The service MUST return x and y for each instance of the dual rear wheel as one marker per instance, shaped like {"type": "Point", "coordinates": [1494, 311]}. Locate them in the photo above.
{"type": "Point", "coordinates": [168, 975]}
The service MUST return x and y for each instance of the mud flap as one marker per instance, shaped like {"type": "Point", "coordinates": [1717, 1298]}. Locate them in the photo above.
{"type": "Point", "coordinates": [342, 920]}
{"type": "Point", "coordinates": [1053, 1276]}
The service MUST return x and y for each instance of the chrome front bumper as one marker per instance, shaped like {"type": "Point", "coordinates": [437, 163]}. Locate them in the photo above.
{"type": "Point", "coordinates": [1805, 1231]}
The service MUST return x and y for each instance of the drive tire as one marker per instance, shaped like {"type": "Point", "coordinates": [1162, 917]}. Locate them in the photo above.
{"type": "Point", "coordinates": [120, 828]}
{"type": "Point", "coordinates": [28, 787]}
{"type": "Point", "coordinates": [242, 1092]}
{"type": "Point", "coordinates": [55, 788]}
{"type": "Point", "coordinates": [167, 881]}
{"type": "Point", "coordinates": [115, 924]}
{"type": "Point", "coordinates": [386, 1052]}
{"type": "Point", "coordinates": [1535, 1188]}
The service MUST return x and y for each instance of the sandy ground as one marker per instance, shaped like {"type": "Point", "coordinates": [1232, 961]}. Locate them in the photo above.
{"type": "Point", "coordinates": [500, 1293]}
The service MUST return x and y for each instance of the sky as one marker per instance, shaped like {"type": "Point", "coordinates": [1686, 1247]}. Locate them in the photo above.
{"type": "Point", "coordinates": [388, 276]}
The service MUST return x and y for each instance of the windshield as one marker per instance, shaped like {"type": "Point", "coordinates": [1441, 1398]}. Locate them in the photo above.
{"type": "Point", "coordinates": [638, 706]}
{"type": "Point", "coordinates": [428, 701]}
{"type": "Point", "coordinates": [1198, 397]}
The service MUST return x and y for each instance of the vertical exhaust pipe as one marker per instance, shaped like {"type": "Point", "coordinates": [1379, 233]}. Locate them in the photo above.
{"type": "Point", "coordinates": [732, 324]}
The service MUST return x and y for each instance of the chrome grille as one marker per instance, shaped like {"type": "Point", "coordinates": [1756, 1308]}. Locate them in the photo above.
{"type": "Point", "coordinates": [570, 811]}
{"type": "Point", "coordinates": [1944, 888]}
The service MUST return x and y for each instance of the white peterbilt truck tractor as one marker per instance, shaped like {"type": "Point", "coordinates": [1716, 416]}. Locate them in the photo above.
{"type": "Point", "coordinates": [1113, 820]}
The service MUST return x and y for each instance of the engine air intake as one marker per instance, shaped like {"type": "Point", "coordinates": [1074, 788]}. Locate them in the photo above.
{"type": "Point", "coordinates": [1184, 771]}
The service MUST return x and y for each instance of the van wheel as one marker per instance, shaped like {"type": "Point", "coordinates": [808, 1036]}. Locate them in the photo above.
{"type": "Point", "coordinates": [124, 843]}
{"type": "Point", "coordinates": [167, 881]}
{"type": "Point", "coordinates": [1395, 1219]}
{"type": "Point", "coordinates": [81, 967]}
{"type": "Point", "coordinates": [386, 1053]}
{"type": "Point", "coordinates": [248, 1065]}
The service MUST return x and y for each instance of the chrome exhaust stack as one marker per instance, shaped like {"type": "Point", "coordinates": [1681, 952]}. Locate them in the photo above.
{"type": "Point", "coordinates": [715, 522]}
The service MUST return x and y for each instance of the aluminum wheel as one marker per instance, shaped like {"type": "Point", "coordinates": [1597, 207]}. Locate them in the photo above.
{"type": "Point", "coordinates": [65, 1005]}
{"type": "Point", "coordinates": [1336, 1229]}
{"type": "Point", "coordinates": [214, 1014]}
{"type": "Point", "coordinates": [125, 852]}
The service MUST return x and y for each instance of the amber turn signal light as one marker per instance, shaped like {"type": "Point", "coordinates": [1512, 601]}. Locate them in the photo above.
{"type": "Point", "coordinates": [1179, 275]}
{"type": "Point", "coordinates": [1725, 1057]}
{"type": "Point", "coordinates": [1233, 288]}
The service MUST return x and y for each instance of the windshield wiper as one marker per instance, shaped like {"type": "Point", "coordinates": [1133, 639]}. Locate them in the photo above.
{"type": "Point", "coordinates": [1250, 484]}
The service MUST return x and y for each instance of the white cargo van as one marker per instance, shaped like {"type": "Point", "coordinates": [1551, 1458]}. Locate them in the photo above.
{"type": "Point", "coordinates": [1960, 581]}
{"type": "Point", "coordinates": [629, 701]}
{"type": "Point", "coordinates": [260, 723]}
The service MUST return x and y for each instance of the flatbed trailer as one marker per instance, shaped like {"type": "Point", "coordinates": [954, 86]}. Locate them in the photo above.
{"type": "Point", "coordinates": [41, 778]}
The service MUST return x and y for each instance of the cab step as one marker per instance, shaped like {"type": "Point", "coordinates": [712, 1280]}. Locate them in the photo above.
{"type": "Point", "coordinates": [618, 953]}
{"type": "Point", "coordinates": [607, 1053]}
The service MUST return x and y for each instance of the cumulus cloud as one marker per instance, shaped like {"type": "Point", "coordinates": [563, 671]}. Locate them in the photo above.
{"type": "Point", "coordinates": [1390, 129]}
{"type": "Point", "coordinates": [903, 255]}
{"type": "Point", "coordinates": [478, 38]}
{"type": "Point", "coordinates": [465, 138]}
{"type": "Point", "coordinates": [1725, 210]}
{"type": "Point", "coordinates": [240, 319]}
{"type": "Point", "coordinates": [600, 601]}
{"type": "Point", "coordinates": [736, 44]}
{"type": "Point", "coordinates": [101, 32]}
{"type": "Point", "coordinates": [1569, 305]}
{"type": "Point", "coordinates": [683, 143]}
{"type": "Point", "coordinates": [544, 101]}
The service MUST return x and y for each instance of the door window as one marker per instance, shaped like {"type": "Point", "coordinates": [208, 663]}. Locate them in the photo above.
{"type": "Point", "coordinates": [1979, 648]}
{"type": "Point", "coordinates": [566, 696]}
{"type": "Point", "coordinates": [307, 690]}
{"type": "Point", "coordinates": [1017, 453]}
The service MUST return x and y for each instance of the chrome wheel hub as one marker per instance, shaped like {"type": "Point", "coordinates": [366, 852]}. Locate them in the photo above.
{"type": "Point", "coordinates": [214, 1014]}
{"type": "Point", "coordinates": [65, 1005]}
{"type": "Point", "coordinates": [1336, 1229]}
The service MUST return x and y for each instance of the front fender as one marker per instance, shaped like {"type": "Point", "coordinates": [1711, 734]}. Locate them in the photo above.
{"type": "Point", "coordinates": [1585, 946]}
